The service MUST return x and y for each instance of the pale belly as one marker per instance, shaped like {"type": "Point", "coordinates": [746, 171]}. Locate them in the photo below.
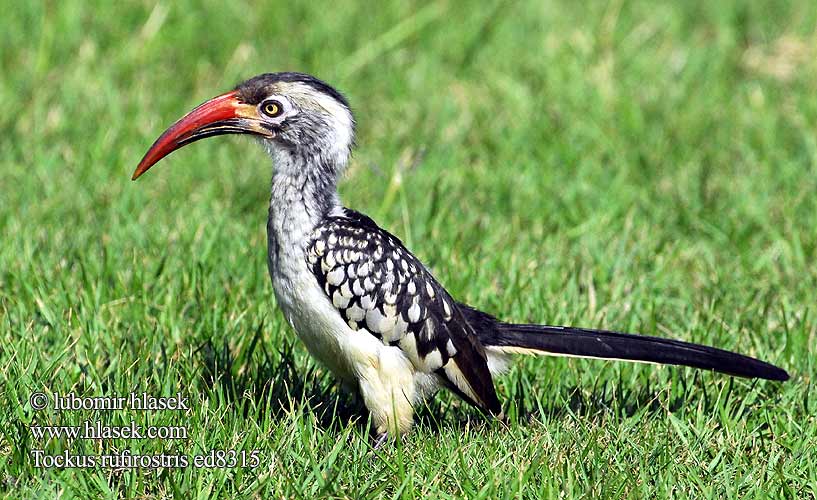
{"type": "Point", "coordinates": [316, 322]}
{"type": "Point", "coordinates": [390, 384]}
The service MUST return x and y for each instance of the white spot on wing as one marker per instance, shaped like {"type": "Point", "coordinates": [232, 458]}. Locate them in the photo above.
{"type": "Point", "coordinates": [450, 349]}
{"type": "Point", "coordinates": [446, 310]}
{"type": "Point", "coordinates": [414, 312]}
{"type": "Point", "coordinates": [427, 333]}
{"type": "Point", "coordinates": [377, 322]}
{"type": "Point", "coordinates": [396, 332]}
{"type": "Point", "coordinates": [339, 300]}
{"type": "Point", "coordinates": [390, 310]}
{"type": "Point", "coordinates": [364, 269]}
{"type": "Point", "coordinates": [336, 276]}
{"type": "Point", "coordinates": [433, 360]}
{"type": "Point", "coordinates": [355, 313]}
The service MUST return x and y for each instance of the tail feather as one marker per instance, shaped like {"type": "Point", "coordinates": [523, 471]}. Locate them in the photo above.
{"type": "Point", "coordinates": [602, 344]}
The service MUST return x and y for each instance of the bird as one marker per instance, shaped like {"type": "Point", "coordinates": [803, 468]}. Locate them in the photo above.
{"type": "Point", "coordinates": [362, 304]}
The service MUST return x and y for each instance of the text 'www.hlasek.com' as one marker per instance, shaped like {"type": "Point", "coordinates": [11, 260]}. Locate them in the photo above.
{"type": "Point", "coordinates": [96, 428]}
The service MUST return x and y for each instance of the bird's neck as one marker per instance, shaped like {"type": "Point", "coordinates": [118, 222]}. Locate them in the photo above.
{"type": "Point", "coordinates": [303, 193]}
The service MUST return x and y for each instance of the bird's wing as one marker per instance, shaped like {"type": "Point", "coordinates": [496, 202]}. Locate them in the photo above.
{"type": "Point", "coordinates": [378, 285]}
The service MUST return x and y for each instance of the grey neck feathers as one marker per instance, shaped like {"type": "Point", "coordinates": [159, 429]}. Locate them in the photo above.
{"type": "Point", "coordinates": [303, 193]}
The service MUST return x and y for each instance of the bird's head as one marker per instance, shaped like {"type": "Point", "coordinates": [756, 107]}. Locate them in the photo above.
{"type": "Point", "coordinates": [293, 114]}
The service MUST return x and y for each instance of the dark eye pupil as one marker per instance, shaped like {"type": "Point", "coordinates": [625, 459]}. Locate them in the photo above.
{"type": "Point", "coordinates": [271, 108]}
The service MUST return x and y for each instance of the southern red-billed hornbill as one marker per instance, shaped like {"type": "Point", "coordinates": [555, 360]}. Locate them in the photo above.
{"type": "Point", "coordinates": [359, 300]}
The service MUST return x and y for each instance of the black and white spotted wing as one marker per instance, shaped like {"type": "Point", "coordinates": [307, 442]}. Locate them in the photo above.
{"type": "Point", "coordinates": [378, 285]}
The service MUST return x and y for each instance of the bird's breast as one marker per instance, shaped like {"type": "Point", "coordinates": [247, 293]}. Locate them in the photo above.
{"type": "Point", "coordinates": [307, 310]}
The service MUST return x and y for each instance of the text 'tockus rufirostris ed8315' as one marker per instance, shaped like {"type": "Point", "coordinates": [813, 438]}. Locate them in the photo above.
{"type": "Point", "coordinates": [362, 304]}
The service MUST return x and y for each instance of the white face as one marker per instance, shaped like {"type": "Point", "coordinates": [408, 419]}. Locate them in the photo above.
{"type": "Point", "coordinates": [309, 118]}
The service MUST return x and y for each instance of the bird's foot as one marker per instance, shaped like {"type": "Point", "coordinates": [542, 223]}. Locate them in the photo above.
{"type": "Point", "coordinates": [380, 439]}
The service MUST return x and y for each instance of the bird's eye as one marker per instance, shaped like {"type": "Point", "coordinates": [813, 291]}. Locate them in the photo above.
{"type": "Point", "coordinates": [272, 108]}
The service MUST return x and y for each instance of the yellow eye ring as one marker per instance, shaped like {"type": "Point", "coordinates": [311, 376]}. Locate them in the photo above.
{"type": "Point", "coordinates": [272, 108]}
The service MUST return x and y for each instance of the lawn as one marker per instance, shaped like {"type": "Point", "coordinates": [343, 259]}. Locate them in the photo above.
{"type": "Point", "coordinates": [640, 166]}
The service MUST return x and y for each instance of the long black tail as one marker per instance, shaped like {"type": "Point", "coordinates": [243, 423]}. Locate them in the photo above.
{"type": "Point", "coordinates": [585, 343]}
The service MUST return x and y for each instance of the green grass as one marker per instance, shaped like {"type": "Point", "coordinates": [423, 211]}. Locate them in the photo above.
{"type": "Point", "coordinates": [642, 166]}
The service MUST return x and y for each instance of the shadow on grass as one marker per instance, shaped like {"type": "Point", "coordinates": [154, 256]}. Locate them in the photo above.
{"type": "Point", "coordinates": [684, 394]}
{"type": "Point", "coordinates": [278, 385]}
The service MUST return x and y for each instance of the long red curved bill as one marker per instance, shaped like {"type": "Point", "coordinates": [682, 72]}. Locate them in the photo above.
{"type": "Point", "coordinates": [191, 127]}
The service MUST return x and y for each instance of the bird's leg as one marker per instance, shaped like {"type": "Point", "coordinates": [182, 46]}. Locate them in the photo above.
{"type": "Point", "coordinates": [380, 439]}
{"type": "Point", "coordinates": [387, 386]}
